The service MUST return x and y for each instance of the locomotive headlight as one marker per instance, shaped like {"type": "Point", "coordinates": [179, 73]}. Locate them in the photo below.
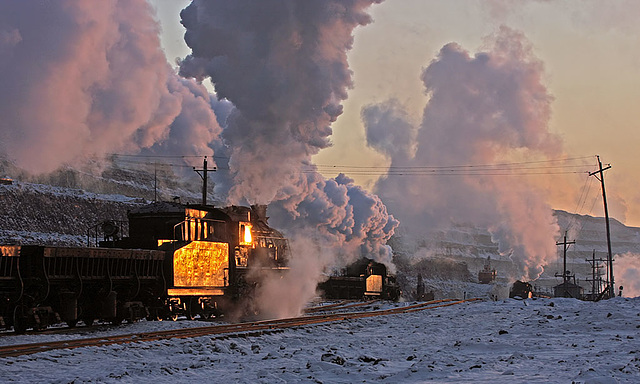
{"type": "Point", "coordinates": [245, 234]}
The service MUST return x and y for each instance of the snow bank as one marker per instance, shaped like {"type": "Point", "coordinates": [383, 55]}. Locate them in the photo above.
{"type": "Point", "coordinates": [543, 340]}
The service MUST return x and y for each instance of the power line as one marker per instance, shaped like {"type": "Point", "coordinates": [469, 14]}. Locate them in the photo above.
{"type": "Point", "coordinates": [524, 168]}
{"type": "Point", "coordinates": [451, 173]}
{"type": "Point", "coordinates": [510, 165]}
{"type": "Point", "coordinates": [166, 156]}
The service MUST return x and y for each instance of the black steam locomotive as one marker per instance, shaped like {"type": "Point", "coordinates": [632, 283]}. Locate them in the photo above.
{"type": "Point", "coordinates": [521, 290]}
{"type": "Point", "coordinates": [190, 260]}
{"type": "Point", "coordinates": [364, 279]}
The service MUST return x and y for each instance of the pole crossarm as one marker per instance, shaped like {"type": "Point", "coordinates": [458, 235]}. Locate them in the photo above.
{"type": "Point", "coordinates": [595, 173]}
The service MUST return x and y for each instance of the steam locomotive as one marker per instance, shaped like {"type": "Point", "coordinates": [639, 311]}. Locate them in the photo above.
{"type": "Point", "coordinates": [521, 290]}
{"type": "Point", "coordinates": [177, 260]}
{"type": "Point", "coordinates": [364, 279]}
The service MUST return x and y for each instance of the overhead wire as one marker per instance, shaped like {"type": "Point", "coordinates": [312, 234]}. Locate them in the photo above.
{"type": "Point", "coordinates": [584, 192]}
{"type": "Point", "coordinates": [562, 166]}
{"type": "Point", "coordinates": [539, 167]}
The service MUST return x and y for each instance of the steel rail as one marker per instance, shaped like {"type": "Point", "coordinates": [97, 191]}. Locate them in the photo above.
{"type": "Point", "coordinates": [341, 305]}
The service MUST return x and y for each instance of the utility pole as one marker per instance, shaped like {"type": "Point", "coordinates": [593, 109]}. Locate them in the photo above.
{"type": "Point", "coordinates": [204, 177]}
{"type": "Point", "coordinates": [565, 273]}
{"type": "Point", "coordinates": [600, 172]}
{"type": "Point", "coordinates": [596, 276]}
{"type": "Point", "coordinates": [155, 181]}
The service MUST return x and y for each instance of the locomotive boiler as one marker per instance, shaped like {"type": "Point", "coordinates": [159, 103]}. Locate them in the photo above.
{"type": "Point", "coordinates": [191, 260]}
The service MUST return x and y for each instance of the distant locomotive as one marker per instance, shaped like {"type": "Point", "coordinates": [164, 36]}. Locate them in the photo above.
{"type": "Point", "coordinates": [521, 290]}
{"type": "Point", "coordinates": [177, 260]}
{"type": "Point", "coordinates": [364, 279]}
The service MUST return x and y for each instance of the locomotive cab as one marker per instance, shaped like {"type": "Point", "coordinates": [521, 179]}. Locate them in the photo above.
{"type": "Point", "coordinates": [210, 253]}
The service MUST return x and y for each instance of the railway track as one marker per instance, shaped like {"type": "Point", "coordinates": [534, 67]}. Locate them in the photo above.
{"type": "Point", "coordinates": [346, 304]}
{"type": "Point", "coordinates": [226, 329]}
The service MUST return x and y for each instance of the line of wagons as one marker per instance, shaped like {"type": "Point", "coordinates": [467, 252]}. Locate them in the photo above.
{"type": "Point", "coordinates": [177, 260]}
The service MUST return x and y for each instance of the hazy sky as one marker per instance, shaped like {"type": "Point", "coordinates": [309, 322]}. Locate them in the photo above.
{"type": "Point", "coordinates": [590, 54]}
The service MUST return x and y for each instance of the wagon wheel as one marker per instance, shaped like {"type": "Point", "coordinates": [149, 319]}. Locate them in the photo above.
{"type": "Point", "coordinates": [116, 320]}
{"type": "Point", "coordinates": [86, 314]}
{"type": "Point", "coordinates": [88, 321]}
{"type": "Point", "coordinates": [72, 323]}
{"type": "Point", "coordinates": [20, 319]}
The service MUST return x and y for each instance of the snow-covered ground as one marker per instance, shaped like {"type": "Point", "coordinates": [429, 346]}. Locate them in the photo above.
{"type": "Point", "coordinates": [510, 341]}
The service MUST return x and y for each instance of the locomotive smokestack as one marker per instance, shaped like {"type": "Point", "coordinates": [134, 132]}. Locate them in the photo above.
{"type": "Point", "coordinates": [260, 211]}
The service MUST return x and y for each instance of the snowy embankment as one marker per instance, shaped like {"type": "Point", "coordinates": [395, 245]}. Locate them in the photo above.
{"type": "Point", "coordinates": [542, 340]}
{"type": "Point", "coordinates": [45, 215]}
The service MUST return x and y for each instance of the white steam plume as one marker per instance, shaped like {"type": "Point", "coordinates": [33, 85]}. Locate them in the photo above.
{"type": "Point", "coordinates": [627, 270]}
{"type": "Point", "coordinates": [484, 109]}
{"type": "Point", "coordinates": [283, 65]}
{"type": "Point", "coordinates": [82, 79]}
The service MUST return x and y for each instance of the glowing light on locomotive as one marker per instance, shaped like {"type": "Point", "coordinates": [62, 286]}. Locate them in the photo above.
{"type": "Point", "coordinates": [245, 234]}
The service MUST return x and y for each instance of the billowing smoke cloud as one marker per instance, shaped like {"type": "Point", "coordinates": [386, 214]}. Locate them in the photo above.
{"type": "Point", "coordinates": [489, 108]}
{"type": "Point", "coordinates": [627, 271]}
{"type": "Point", "coordinates": [83, 79]}
{"type": "Point", "coordinates": [340, 215]}
{"type": "Point", "coordinates": [389, 130]}
{"type": "Point", "coordinates": [283, 65]}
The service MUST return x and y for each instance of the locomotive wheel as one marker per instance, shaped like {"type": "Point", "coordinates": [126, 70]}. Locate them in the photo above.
{"type": "Point", "coordinates": [173, 316]}
{"type": "Point", "coordinates": [192, 311]}
{"type": "Point", "coordinates": [154, 316]}
{"type": "Point", "coordinates": [72, 323]}
{"type": "Point", "coordinates": [20, 319]}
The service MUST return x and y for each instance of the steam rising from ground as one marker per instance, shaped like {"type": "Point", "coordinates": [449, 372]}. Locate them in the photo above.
{"type": "Point", "coordinates": [284, 67]}
{"type": "Point", "coordinates": [490, 108]}
{"type": "Point", "coordinates": [82, 79]}
{"type": "Point", "coordinates": [627, 270]}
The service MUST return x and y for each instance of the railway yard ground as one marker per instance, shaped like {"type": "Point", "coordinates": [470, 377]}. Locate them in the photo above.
{"type": "Point", "coordinates": [508, 341]}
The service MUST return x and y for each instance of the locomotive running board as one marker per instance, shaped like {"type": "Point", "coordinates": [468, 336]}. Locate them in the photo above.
{"type": "Point", "coordinates": [195, 292]}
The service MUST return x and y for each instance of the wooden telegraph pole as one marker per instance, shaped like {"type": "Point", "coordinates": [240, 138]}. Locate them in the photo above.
{"type": "Point", "coordinates": [596, 276]}
{"type": "Point", "coordinates": [565, 273]}
{"type": "Point", "coordinates": [600, 172]}
{"type": "Point", "coordinates": [204, 177]}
